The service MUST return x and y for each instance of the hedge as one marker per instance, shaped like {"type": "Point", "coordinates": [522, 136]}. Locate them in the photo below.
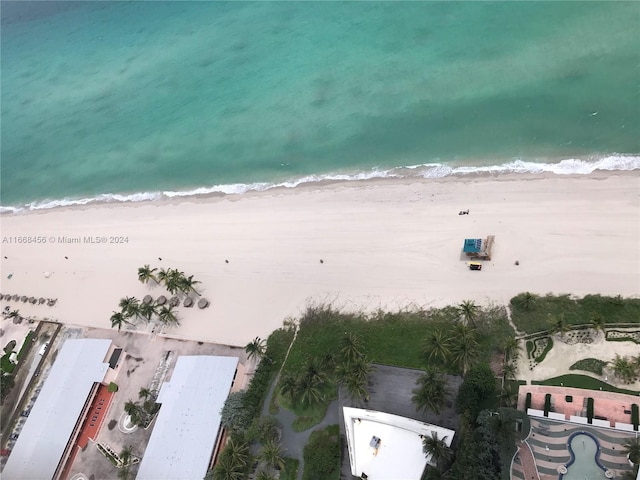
{"type": "Point", "coordinates": [634, 416]}
{"type": "Point", "coordinates": [590, 410]}
{"type": "Point", "coordinates": [26, 345]}
{"type": "Point", "coordinates": [547, 404]}
{"type": "Point", "coordinates": [527, 403]}
{"type": "Point", "coordinates": [545, 351]}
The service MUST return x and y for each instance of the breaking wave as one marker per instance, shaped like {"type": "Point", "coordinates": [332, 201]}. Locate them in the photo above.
{"type": "Point", "coordinates": [427, 170]}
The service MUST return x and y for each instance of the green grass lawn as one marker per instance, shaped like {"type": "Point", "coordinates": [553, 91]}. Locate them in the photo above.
{"type": "Point", "coordinates": [7, 366]}
{"type": "Point", "coordinates": [582, 381]}
{"type": "Point", "coordinates": [392, 339]}
{"type": "Point", "coordinates": [575, 311]}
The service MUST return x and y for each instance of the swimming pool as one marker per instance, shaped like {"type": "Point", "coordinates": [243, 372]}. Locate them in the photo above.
{"type": "Point", "coordinates": [585, 463]}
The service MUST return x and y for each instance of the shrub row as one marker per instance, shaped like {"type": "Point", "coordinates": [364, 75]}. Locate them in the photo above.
{"type": "Point", "coordinates": [590, 410]}
{"type": "Point", "coordinates": [547, 404]}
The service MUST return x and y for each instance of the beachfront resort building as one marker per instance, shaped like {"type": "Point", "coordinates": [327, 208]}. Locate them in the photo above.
{"type": "Point", "coordinates": [65, 406]}
{"type": "Point", "coordinates": [187, 432]}
{"type": "Point", "coordinates": [383, 446]}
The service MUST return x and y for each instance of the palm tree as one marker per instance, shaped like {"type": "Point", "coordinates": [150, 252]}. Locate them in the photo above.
{"type": "Point", "coordinates": [134, 411]}
{"type": "Point", "coordinates": [436, 450]}
{"type": "Point", "coordinates": [238, 451]}
{"type": "Point", "coordinates": [126, 456]}
{"type": "Point", "coordinates": [188, 284]}
{"type": "Point", "coordinates": [146, 273]}
{"type": "Point", "coordinates": [309, 390]}
{"type": "Point", "coordinates": [327, 363]}
{"type": "Point", "coordinates": [362, 368]}
{"type": "Point", "coordinates": [431, 392]}
{"type": "Point", "coordinates": [226, 469]}
{"type": "Point", "coordinates": [624, 369]}
{"type": "Point", "coordinates": [357, 387]}
{"type": "Point", "coordinates": [511, 349]}
{"type": "Point", "coordinates": [632, 448]}
{"type": "Point", "coordinates": [558, 325]}
{"type": "Point", "coordinates": [509, 371]}
{"type": "Point", "coordinates": [147, 310]}
{"type": "Point", "coordinates": [14, 314]}
{"type": "Point", "coordinates": [130, 306]}
{"type": "Point", "coordinates": [464, 348]}
{"type": "Point", "coordinates": [508, 397]}
{"type": "Point", "coordinates": [598, 323]}
{"type": "Point", "coordinates": [256, 348]}
{"type": "Point", "coordinates": [118, 319]}
{"type": "Point", "coordinates": [163, 276]}
{"type": "Point", "coordinates": [271, 454]}
{"type": "Point", "coordinates": [167, 315]}
{"type": "Point", "coordinates": [528, 301]}
{"type": "Point", "coordinates": [313, 371]}
{"type": "Point", "coordinates": [351, 347]}
{"type": "Point", "coordinates": [288, 388]}
{"type": "Point", "coordinates": [174, 281]}
{"type": "Point", "coordinates": [436, 347]}
{"type": "Point", "coordinates": [468, 310]}
{"type": "Point", "coordinates": [144, 393]}
{"type": "Point", "coordinates": [265, 475]}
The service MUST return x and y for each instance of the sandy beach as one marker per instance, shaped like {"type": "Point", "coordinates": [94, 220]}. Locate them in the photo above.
{"type": "Point", "coordinates": [384, 244]}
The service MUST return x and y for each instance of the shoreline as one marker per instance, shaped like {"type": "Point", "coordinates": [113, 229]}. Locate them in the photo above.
{"type": "Point", "coordinates": [385, 243]}
{"type": "Point", "coordinates": [423, 172]}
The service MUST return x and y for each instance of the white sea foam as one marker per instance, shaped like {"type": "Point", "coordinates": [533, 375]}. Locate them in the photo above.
{"type": "Point", "coordinates": [427, 170]}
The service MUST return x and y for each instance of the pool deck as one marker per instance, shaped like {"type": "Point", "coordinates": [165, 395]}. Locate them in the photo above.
{"type": "Point", "coordinates": [545, 449]}
{"type": "Point", "coordinates": [548, 442]}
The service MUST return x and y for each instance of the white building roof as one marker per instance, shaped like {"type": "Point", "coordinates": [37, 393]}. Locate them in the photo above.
{"type": "Point", "coordinates": [187, 426]}
{"type": "Point", "coordinates": [39, 448]}
{"type": "Point", "coordinates": [386, 446]}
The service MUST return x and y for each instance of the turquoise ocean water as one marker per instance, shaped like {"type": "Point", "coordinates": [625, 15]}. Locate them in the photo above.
{"type": "Point", "coordinates": [127, 100]}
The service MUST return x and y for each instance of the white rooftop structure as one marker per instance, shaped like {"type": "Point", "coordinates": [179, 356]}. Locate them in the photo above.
{"type": "Point", "coordinates": [80, 363]}
{"type": "Point", "coordinates": [187, 426]}
{"type": "Point", "coordinates": [388, 447]}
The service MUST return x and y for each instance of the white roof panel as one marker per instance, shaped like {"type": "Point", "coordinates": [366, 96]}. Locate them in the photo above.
{"type": "Point", "coordinates": [386, 446]}
{"type": "Point", "coordinates": [187, 426]}
{"type": "Point", "coordinates": [45, 434]}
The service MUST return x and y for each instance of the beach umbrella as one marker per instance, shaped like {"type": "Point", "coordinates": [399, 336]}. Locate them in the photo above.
{"type": "Point", "coordinates": [174, 301]}
{"type": "Point", "coordinates": [33, 300]}
{"type": "Point", "coordinates": [52, 301]}
{"type": "Point", "coordinates": [147, 299]}
{"type": "Point", "coordinates": [203, 303]}
{"type": "Point", "coordinates": [24, 299]}
{"type": "Point", "coordinates": [41, 300]}
{"type": "Point", "coordinates": [161, 300]}
{"type": "Point", "coordinates": [15, 298]}
{"type": "Point", "coordinates": [188, 302]}
{"type": "Point", "coordinates": [47, 274]}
